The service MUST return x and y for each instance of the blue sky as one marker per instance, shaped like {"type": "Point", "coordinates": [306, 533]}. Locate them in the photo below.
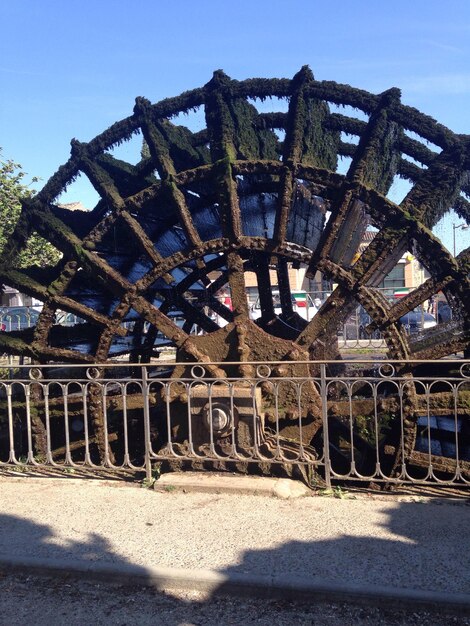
{"type": "Point", "coordinates": [70, 69]}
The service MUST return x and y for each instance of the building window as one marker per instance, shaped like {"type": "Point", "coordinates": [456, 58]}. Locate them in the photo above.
{"type": "Point", "coordinates": [394, 280]}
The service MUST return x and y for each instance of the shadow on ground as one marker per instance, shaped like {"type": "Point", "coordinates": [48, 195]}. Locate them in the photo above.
{"type": "Point", "coordinates": [426, 552]}
{"type": "Point", "coordinates": [420, 554]}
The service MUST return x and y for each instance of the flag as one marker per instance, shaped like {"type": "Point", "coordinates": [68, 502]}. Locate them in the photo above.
{"type": "Point", "coordinates": [300, 299]}
{"type": "Point", "coordinates": [399, 293]}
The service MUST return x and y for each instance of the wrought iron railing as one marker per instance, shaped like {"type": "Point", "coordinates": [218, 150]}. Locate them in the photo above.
{"type": "Point", "coordinates": [362, 421]}
{"type": "Point", "coordinates": [21, 317]}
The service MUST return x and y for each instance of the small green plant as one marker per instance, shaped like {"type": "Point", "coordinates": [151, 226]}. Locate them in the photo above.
{"type": "Point", "coordinates": [169, 488]}
{"type": "Point", "coordinates": [22, 466]}
{"type": "Point", "coordinates": [4, 373]}
{"type": "Point", "coordinates": [335, 492]}
{"type": "Point", "coordinates": [19, 469]}
{"type": "Point", "coordinates": [148, 483]}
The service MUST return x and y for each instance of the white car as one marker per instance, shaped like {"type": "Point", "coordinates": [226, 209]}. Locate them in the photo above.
{"type": "Point", "coordinates": [302, 304]}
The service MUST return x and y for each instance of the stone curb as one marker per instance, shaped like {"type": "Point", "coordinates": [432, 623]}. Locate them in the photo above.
{"type": "Point", "coordinates": [198, 482]}
{"type": "Point", "coordinates": [278, 587]}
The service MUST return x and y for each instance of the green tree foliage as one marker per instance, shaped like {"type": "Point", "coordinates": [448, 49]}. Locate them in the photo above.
{"type": "Point", "coordinates": [12, 190]}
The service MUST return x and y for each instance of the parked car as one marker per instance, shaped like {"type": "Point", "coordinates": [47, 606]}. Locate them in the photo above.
{"type": "Point", "coordinates": [417, 320]}
{"type": "Point", "coordinates": [444, 312]}
{"type": "Point", "coordinates": [18, 318]}
{"type": "Point", "coordinates": [302, 304]}
{"type": "Point", "coordinates": [413, 322]}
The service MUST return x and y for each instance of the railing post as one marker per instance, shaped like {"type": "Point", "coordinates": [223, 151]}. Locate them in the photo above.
{"type": "Point", "coordinates": [11, 435]}
{"type": "Point", "coordinates": [145, 394]}
{"type": "Point", "coordinates": [324, 413]}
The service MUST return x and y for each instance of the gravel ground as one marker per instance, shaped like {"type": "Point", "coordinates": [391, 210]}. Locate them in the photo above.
{"type": "Point", "coordinates": [398, 542]}
{"type": "Point", "coordinates": [44, 602]}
